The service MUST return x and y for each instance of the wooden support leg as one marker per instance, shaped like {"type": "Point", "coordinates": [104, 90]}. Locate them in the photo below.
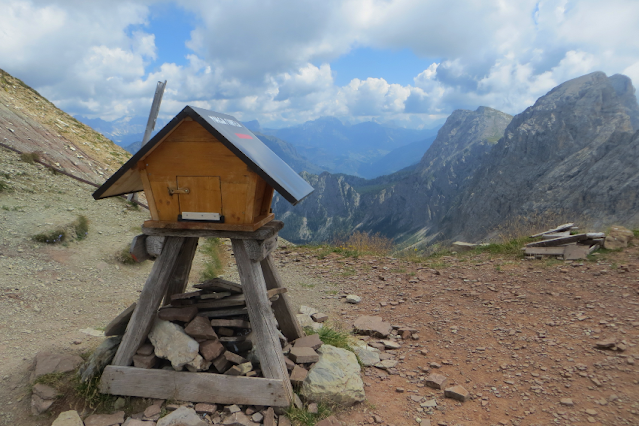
{"type": "Point", "coordinates": [262, 320]}
{"type": "Point", "coordinates": [150, 298]}
{"type": "Point", "coordinates": [180, 276]}
{"type": "Point", "coordinates": [284, 313]}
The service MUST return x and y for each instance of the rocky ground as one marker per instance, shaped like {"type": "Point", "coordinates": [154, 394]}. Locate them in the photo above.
{"type": "Point", "coordinates": [519, 335]}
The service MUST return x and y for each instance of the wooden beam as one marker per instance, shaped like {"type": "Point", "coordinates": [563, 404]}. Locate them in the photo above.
{"type": "Point", "coordinates": [262, 320]}
{"type": "Point", "coordinates": [180, 275]}
{"type": "Point", "coordinates": [221, 313]}
{"type": "Point", "coordinates": [284, 313]}
{"type": "Point", "coordinates": [117, 326]}
{"type": "Point", "coordinates": [265, 232]}
{"type": "Point", "coordinates": [549, 251]}
{"type": "Point", "coordinates": [560, 228]}
{"type": "Point", "coordinates": [194, 387]}
{"type": "Point", "coordinates": [152, 293]}
{"type": "Point", "coordinates": [205, 226]}
{"type": "Point", "coordinates": [258, 250]}
{"type": "Point", "coordinates": [558, 241]}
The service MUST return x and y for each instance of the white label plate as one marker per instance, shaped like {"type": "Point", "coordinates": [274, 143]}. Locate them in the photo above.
{"type": "Point", "coordinates": [200, 216]}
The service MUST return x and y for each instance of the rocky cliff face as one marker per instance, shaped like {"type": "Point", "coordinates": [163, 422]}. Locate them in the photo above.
{"type": "Point", "coordinates": [573, 151]}
{"type": "Point", "coordinates": [406, 202]}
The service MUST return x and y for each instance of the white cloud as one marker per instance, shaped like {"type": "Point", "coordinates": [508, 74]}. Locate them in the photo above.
{"type": "Point", "coordinates": [257, 59]}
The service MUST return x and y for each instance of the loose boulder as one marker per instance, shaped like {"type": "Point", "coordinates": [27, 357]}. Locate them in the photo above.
{"type": "Point", "coordinates": [171, 342]}
{"type": "Point", "coordinates": [334, 378]}
{"type": "Point", "coordinates": [618, 237]}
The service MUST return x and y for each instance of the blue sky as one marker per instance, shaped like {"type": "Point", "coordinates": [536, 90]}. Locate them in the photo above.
{"type": "Point", "coordinates": [284, 62]}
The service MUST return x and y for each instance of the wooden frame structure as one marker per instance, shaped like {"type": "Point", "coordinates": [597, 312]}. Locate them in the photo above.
{"type": "Point", "coordinates": [169, 276]}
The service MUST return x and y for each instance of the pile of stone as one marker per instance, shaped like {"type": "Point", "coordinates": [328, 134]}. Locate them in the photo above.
{"type": "Point", "coordinates": [206, 330]}
{"type": "Point", "coordinates": [559, 242]}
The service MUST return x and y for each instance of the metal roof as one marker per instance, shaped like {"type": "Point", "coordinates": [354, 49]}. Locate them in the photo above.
{"type": "Point", "coordinates": [230, 132]}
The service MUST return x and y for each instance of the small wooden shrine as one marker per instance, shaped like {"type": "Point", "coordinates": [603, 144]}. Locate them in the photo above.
{"type": "Point", "coordinates": [206, 175]}
{"type": "Point", "coordinates": [206, 168]}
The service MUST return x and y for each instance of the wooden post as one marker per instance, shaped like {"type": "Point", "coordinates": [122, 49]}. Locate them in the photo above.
{"type": "Point", "coordinates": [283, 310]}
{"type": "Point", "coordinates": [150, 298]}
{"type": "Point", "coordinates": [180, 276]}
{"type": "Point", "coordinates": [262, 320]}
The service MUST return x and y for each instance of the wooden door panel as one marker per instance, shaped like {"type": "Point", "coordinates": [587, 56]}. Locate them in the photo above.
{"type": "Point", "coordinates": [204, 195]}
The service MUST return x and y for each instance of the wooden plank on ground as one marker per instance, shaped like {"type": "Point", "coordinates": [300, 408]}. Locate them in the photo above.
{"type": "Point", "coordinates": [265, 231]}
{"type": "Point", "coordinates": [560, 228]}
{"type": "Point", "coordinates": [194, 387]}
{"type": "Point", "coordinates": [284, 313]}
{"type": "Point", "coordinates": [550, 251]}
{"type": "Point", "coordinates": [150, 298]}
{"type": "Point", "coordinates": [266, 336]}
{"type": "Point", "coordinates": [219, 284]}
{"type": "Point", "coordinates": [558, 241]}
{"type": "Point", "coordinates": [237, 300]}
{"type": "Point", "coordinates": [555, 235]}
{"type": "Point", "coordinates": [180, 275]}
{"type": "Point", "coordinates": [576, 251]}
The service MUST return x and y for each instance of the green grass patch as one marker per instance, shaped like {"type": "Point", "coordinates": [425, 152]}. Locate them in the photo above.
{"type": "Point", "coordinates": [304, 285]}
{"type": "Point", "coordinates": [635, 232]}
{"type": "Point", "coordinates": [89, 392]}
{"type": "Point", "coordinates": [81, 227]}
{"type": "Point", "coordinates": [4, 186]}
{"type": "Point", "coordinates": [30, 157]}
{"type": "Point", "coordinates": [51, 379]}
{"type": "Point", "coordinates": [333, 336]}
{"type": "Point", "coordinates": [301, 417]}
{"type": "Point", "coordinates": [52, 237]}
{"type": "Point", "coordinates": [213, 250]}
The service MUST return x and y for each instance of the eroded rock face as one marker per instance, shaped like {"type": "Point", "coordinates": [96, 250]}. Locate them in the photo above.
{"type": "Point", "coordinates": [172, 343]}
{"type": "Point", "coordinates": [335, 377]}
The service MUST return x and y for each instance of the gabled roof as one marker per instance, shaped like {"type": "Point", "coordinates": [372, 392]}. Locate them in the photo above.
{"type": "Point", "coordinates": [240, 140]}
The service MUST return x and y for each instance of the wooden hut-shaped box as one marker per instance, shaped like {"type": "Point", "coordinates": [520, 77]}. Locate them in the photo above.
{"type": "Point", "coordinates": [205, 170]}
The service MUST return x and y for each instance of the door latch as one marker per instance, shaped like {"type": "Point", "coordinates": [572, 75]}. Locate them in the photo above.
{"type": "Point", "coordinates": [179, 191]}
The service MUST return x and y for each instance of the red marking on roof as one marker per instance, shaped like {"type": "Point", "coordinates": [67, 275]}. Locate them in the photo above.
{"type": "Point", "coordinates": [243, 136]}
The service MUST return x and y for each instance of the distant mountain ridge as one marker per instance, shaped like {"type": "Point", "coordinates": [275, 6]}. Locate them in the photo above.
{"type": "Point", "coordinates": [353, 149]}
{"type": "Point", "coordinates": [575, 151]}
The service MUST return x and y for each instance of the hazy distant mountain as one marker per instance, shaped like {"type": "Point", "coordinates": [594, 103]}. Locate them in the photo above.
{"type": "Point", "coordinates": [351, 149]}
{"type": "Point", "coordinates": [125, 131]}
{"type": "Point", "coordinates": [397, 159]}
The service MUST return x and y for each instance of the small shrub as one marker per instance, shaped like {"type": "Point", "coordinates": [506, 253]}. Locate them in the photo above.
{"type": "Point", "coordinates": [89, 392]}
{"type": "Point", "coordinates": [213, 249]}
{"type": "Point", "coordinates": [360, 243]}
{"type": "Point", "coordinates": [301, 416]}
{"type": "Point", "coordinates": [81, 227]}
{"type": "Point", "coordinates": [54, 237]}
{"type": "Point", "coordinates": [30, 157]}
{"type": "Point", "coordinates": [124, 256]}
{"type": "Point", "coordinates": [3, 186]}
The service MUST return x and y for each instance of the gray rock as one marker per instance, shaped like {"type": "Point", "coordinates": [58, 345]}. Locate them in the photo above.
{"type": "Point", "coordinates": [237, 419]}
{"type": "Point", "coordinates": [43, 397]}
{"type": "Point", "coordinates": [335, 378]}
{"type": "Point", "coordinates": [183, 416]}
{"type": "Point", "coordinates": [367, 355]}
{"type": "Point", "coordinates": [457, 392]}
{"type": "Point", "coordinates": [354, 299]}
{"type": "Point", "coordinates": [68, 418]}
{"type": "Point", "coordinates": [100, 358]}
{"type": "Point", "coordinates": [172, 343]}
{"type": "Point", "coordinates": [47, 362]}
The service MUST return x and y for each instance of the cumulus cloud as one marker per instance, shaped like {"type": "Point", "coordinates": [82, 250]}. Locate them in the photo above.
{"type": "Point", "coordinates": [254, 60]}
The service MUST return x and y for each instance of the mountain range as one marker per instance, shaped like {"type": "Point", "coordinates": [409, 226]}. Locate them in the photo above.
{"type": "Point", "coordinates": [366, 149]}
{"type": "Point", "coordinates": [570, 155]}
